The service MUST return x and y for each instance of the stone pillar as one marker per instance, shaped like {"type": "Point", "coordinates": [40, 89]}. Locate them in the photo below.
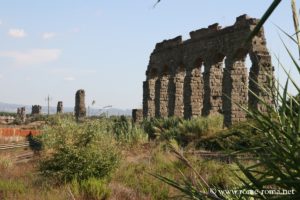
{"type": "Point", "coordinates": [137, 115]}
{"type": "Point", "coordinates": [149, 98]}
{"type": "Point", "coordinates": [171, 96]}
{"type": "Point", "coordinates": [261, 78]}
{"type": "Point", "coordinates": [161, 96]}
{"type": "Point", "coordinates": [80, 110]}
{"type": "Point", "coordinates": [193, 93]}
{"type": "Point", "coordinates": [59, 108]}
{"type": "Point", "coordinates": [235, 90]}
{"type": "Point", "coordinates": [36, 110]}
{"type": "Point", "coordinates": [212, 99]}
{"type": "Point", "coordinates": [178, 101]}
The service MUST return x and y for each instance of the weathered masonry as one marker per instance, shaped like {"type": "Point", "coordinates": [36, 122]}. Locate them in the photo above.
{"type": "Point", "coordinates": [80, 110]}
{"type": "Point", "coordinates": [207, 74]}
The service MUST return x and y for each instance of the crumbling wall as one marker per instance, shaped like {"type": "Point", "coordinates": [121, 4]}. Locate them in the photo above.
{"type": "Point", "coordinates": [36, 110]}
{"type": "Point", "coordinates": [80, 110]}
{"type": "Point", "coordinates": [137, 115]}
{"type": "Point", "coordinates": [60, 107]}
{"type": "Point", "coordinates": [21, 114]}
{"type": "Point", "coordinates": [207, 74]}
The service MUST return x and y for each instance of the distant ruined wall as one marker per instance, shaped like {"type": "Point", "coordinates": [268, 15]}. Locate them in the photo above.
{"type": "Point", "coordinates": [60, 107]}
{"type": "Point", "coordinates": [21, 114]}
{"type": "Point", "coordinates": [207, 74]}
{"type": "Point", "coordinates": [36, 110]}
{"type": "Point", "coordinates": [80, 110]}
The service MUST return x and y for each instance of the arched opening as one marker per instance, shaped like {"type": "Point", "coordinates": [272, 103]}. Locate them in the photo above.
{"type": "Point", "coordinates": [248, 65]}
{"type": "Point", "coordinates": [198, 64]}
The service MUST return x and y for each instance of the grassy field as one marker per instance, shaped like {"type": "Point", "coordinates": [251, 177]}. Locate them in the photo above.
{"type": "Point", "coordinates": [114, 159]}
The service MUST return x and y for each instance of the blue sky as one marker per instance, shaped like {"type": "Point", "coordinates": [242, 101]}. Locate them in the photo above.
{"type": "Point", "coordinates": [56, 47]}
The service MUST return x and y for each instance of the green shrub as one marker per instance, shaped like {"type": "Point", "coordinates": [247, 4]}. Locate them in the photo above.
{"type": "Point", "coordinates": [78, 151]}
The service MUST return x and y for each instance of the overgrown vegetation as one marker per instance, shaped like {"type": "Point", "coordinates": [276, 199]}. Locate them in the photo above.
{"type": "Point", "coordinates": [183, 131]}
{"type": "Point", "coordinates": [78, 151]}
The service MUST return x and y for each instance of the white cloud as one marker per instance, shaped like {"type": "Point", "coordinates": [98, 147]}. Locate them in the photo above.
{"type": "Point", "coordinates": [48, 35]}
{"type": "Point", "coordinates": [69, 78]}
{"type": "Point", "coordinates": [32, 56]}
{"type": "Point", "coordinates": [17, 33]}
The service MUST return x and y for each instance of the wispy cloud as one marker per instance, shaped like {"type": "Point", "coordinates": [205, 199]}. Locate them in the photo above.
{"type": "Point", "coordinates": [69, 78]}
{"type": "Point", "coordinates": [17, 33]}
{"type": "Point", "coordinates": [32, 56]}
{"type": "Point", "coordinates": [48, 35]}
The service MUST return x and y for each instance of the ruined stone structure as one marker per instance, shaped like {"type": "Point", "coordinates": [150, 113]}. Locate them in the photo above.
{"type": "Point", "coordinates": [137, 115]}
{"type": "Point", "coordinates": [60, 107]}
{"type": "Point", "coordinates": [207, 74]}
{"type": "Point", "coordinates": [80, 110]}
{"type": "Point", "coordinates": [21, 114]}
{"type": "Point", "coordinates": [36, 110]}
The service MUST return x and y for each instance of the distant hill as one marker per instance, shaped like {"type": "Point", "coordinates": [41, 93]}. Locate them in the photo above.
{"type": "Point", "coordinates": [7, 107]}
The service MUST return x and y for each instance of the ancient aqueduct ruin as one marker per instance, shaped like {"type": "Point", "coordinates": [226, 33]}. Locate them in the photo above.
{"type": "Point", "coordinates": [207, 73]}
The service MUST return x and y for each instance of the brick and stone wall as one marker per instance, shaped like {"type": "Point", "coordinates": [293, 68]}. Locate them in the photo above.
{"type": "Point", "coordinates": [207, 73]}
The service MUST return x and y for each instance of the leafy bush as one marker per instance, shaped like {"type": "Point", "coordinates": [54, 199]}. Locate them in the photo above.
{"type": "Point", "coordinates": [78, 151]}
